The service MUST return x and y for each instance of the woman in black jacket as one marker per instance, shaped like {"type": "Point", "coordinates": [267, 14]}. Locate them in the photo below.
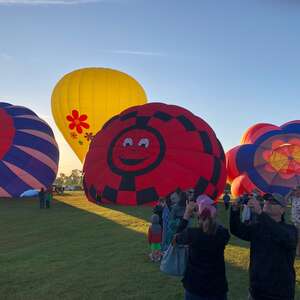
{"type": "Point", "coordinates": [205, 277]}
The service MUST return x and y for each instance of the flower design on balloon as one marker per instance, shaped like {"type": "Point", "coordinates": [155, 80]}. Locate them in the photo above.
{"type": "Point", "coordinates": [73, 135]}
{"type": "Point", "coordinates": [284, 158]}
{"type": "Point", "coordinates": [267, 159]}
{"type": "Point", "coordinates": [77, 121]}
{"type": "Point", "coordinates": [89, 136]}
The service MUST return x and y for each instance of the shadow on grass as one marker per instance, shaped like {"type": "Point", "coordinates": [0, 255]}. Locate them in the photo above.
{"type": "Point", "coordinates": [145, 212]}
{"type": "Point", "coordinates": [69, 253]}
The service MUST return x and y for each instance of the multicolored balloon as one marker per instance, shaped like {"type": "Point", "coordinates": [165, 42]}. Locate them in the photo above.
{"type": "Point", "coordinates": [28, 151]}
{"type": "Point", "coordinates": [268, 159]}
{"type": "Point", "coordinates": [150, 150]}
{"type": "Point", "coordinates": [83, 100]}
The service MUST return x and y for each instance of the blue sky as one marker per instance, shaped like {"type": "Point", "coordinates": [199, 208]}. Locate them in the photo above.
{"type": "Point", "coordinates": [234, 63]}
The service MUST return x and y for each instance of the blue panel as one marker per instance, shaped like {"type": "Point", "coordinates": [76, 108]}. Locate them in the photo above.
{"type": "Point", "coordinates": [268, 135]}
{"type": "Point", "coordinates": [245, 157]}
{"type": "Point", "coordinates": [4, 104]}
{"type": "Point", "coordinates": [31, 165]}
{"type": "Point", "coordinates": [292, 128]}
{"type": "Point", "coordinates": [34, 142]}
{"type": "Point", "coordinates": [19, 110]}
{"type": "Point", "coordinates": [23, 123]}
{"type": "Point", "coordinates": [12, 183]}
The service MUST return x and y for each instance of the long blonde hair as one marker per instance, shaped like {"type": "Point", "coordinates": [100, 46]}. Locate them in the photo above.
{"type": "Point", "coordinates": [207, 222]}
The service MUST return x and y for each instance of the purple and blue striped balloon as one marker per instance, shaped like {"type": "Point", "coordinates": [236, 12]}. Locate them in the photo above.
{"type": "Point", "coordinates": [28, 151]}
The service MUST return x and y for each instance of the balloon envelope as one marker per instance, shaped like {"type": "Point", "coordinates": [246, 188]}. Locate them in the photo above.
{"type": "Point", "coordinates": [30, 193]}
{"type": "Point", "coordinates": [150, 150]}
{"type": "Point", "coordinates": [83, 100]}
{"type": "Point", "coordinates": [268, 159]}
{"type": "Point", "coordinates": [28, 151]}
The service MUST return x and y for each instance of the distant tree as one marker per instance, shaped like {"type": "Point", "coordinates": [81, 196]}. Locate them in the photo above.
{"type": "Point", "coordinates": [75, 177]}
{"type": "Point", "coordinates": [61, 179]}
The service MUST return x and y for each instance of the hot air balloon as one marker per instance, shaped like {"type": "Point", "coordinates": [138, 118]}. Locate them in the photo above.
{"type": "Point", "coordinates": [268, 159]}
{"type": "Point", "coordinates": [83, 100]}
{"type": "Point", "coordinates": [150, 150]}
{"type": "Point", "coordinates": [28, 151]}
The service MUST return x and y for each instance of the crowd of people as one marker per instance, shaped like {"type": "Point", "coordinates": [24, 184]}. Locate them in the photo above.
{"type": "Point", "coordinates": [256, 218]}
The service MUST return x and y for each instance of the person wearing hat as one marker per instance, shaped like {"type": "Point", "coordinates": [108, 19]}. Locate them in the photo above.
{"type": "Point", "coordinates": [272, 248]}
{"type": "Point", "coordinates": [294, 198]}
{"type": "Point", "coordinates": [205, 276]}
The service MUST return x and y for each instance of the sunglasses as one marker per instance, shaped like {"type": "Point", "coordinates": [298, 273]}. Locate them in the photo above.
{"type": "Point", "coordinates": [273, 201]}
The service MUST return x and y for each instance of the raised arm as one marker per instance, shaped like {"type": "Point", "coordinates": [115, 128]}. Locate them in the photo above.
{"type": "Point", "coordinates": [182, 236]}
{"type": "Point", "coordinates": [238, 228]}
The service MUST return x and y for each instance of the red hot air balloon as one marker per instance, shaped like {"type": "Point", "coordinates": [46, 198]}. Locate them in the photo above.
{"type": "Point", "coordinates": [150, 150]}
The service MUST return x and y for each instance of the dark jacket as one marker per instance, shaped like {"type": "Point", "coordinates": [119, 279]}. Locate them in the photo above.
{"type": "Point", "coordinates": [158, 210]}
{"type": "Point", "coordinates": [272, 255]}
{"type": "Point", "coordinates": [205, 274]}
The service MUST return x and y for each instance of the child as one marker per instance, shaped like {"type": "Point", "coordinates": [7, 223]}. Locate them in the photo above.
{"type": "Point", "coordinates": [48, 198]}
{"type": "Point", "coordinates": [154, 238]}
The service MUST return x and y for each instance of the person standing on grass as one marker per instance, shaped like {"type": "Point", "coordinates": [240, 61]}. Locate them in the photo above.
{"type": "Point", "coordinates": [98, 198]}
{"type": "Point", "coordinates": [205, 276]}
{"type": "Point", "coordinates": [158, 209]}
{"type": "Point", "coordinates": [176, 215]}
{"type": "Point", "coordinates": [155, 238]}
{"type": "Point", "coordinates": [42, 198]}
{"type": "Point", "coordinates": [226, 200]}
{"type": "Point", "coordinates": [48, 198]}
{"type": "Point", "coordinates": [165, 221]}
{"type": "Point", "coordinates": [272, 248]}
{"type": "Point", "coordinates": [294, 198]}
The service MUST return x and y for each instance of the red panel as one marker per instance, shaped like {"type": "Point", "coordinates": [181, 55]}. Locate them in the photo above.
{"type": "Point", "coordinates": [254, 132]}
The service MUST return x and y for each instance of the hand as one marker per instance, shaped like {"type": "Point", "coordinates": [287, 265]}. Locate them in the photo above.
{"type": "Point", "coordinates": [255, 206]}
{"type": "Point", "coordinates": [174, 240]}
{"type": "Point", "coordinates": [189, 209]}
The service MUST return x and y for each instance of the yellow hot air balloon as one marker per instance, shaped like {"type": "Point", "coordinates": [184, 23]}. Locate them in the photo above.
{"type": "Point", "coordinates": [83, 100]}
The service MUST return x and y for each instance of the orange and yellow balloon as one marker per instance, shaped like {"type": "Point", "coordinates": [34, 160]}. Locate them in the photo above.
{"type": "Point", "coordinates": [83, 100]}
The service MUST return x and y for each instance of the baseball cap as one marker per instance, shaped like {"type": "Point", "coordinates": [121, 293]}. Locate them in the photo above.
{"type": "Point", "coordinates": [276, 198]}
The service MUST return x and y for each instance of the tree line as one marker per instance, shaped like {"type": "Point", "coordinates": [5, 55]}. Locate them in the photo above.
{"type": "Point", "coordinates": [74, 179]}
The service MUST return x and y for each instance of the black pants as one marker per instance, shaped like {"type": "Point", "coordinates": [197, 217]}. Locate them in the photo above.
{"type": "Point", "coordinates": [47, 204]}
{"type": "Point", "coordinates": [42, 203]}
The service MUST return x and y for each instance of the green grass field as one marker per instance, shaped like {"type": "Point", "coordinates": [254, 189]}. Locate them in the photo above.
{"type": "Point", "coordinates": [77, 250]}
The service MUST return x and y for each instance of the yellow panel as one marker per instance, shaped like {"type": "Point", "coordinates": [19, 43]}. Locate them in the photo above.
{"type": "Point", "coordinates": [98, 93]}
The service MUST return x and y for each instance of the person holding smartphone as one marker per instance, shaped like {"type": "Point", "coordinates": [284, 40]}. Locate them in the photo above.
{"type": "Point", "coordinates": [205, 275]}
{"type": "Point", "coordinates": [294, 198]}
{"type": "Point", "coordinates": [272, 248]}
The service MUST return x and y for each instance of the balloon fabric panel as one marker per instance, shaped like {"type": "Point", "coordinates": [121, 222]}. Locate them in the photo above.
{"type": "Point", "coordinates": [28, 154]}
{"type": "Point", "coordinates": [83, 100]}
{"type": "Point", "coordinates": [271, 163]}
{"type": "Point", "coordinates": [148, 151]}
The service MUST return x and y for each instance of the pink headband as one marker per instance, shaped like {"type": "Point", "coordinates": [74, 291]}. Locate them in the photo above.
{"type": "Point", "coordinates": [206, 207]}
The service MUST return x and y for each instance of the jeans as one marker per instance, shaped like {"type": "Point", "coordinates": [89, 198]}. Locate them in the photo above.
{"type": "Point", "coordinates": [189, 296]}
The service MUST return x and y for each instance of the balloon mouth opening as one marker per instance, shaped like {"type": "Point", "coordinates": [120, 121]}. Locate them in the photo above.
{"type": "Point", "coordinates": [285, 145]}
{"type": "Point", "coordinates": [132, 162]}
{"type": "Point", "coordinates": [286, 149]}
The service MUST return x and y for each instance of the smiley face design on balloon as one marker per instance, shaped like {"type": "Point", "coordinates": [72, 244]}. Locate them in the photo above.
{"type": "Point", "coordinates": [150, 150]}
{"type": "Point", "coordinates": [136, 151]}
